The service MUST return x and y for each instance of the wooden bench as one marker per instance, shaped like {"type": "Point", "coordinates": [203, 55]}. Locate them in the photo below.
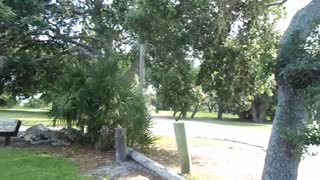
{"type": "Point", "coordinates": [9, 128]}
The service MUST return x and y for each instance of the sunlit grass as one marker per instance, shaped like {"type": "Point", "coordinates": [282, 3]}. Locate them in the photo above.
{"type": "Point", "coordinates": [23, 165]}
{"type": "Point", "coordinates": [199, 115]}
{"type": "Point", "coordinates": [228, 119]}
{"type": "Point", "coordinates": [31, 117]}
{"type": "Point", "coordinates": [28, 117]}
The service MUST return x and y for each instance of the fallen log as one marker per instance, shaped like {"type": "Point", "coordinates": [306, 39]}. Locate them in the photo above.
{"type": "Point", "coordinates": [152, 165]}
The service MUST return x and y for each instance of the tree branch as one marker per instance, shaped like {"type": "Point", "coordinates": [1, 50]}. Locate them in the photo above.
{"type": "Point", "coordinates": [277, 3]}
{"type": "Point", "coordinates": [86, 52]}
{"type": "Point", "coordinates": [303, 22]}
{"type": "Point", "coordinates": [42, 58]}
{"type": "Point", "coordinates": [84, 48]}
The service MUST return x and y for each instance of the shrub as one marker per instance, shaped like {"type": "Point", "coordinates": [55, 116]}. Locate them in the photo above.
{"type": "Point", "coordinates": [95, 94]}
{"type": "Point", "coordinates": [6, 99]}
{"type": "Point", "coordinates": [36, 103]}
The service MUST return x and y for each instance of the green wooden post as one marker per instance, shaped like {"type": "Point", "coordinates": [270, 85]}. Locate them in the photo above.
{"type": "Point", "coordinates": [182, 145]}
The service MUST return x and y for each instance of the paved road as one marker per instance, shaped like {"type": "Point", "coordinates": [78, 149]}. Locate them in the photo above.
{"type": "Point", "coordinates": [246, 135]}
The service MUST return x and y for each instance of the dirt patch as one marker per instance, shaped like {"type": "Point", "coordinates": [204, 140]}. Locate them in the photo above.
{"type": "Point", "coordinates": [125, 170]}
{"type": "Point", "coordinates": [214, 159]}
{"type": "Point", "coordinates": [165, 156]}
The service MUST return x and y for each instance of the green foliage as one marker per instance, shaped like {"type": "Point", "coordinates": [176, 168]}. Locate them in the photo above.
{"type": "Point", "coordinates": [36, 103]}
{"type": "Point", "coordinates": [177, 30]}
{"type": "Point", "coordinates": [304, 72]}
{"type": "Point", "coordinates": [27, 67]}
{"type": "Point", "coordinates": [241, 65]}
{"type": "Point", "coordinates": [5, 11]}
{"type": "Point", "coordinates": [28, 117]}
{"type": "Point", "coordinates": [175, 89]}
{"type": "Point", "coordinates": [6, 99]}
{"type": "Point", "coordinates": [93, 94]}
{"type": "Point", "coordinates": [302, 140]}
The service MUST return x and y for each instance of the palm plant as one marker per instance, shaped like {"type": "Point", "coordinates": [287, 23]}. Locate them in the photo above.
{"type": "Point", "coordinates": [98, 93]}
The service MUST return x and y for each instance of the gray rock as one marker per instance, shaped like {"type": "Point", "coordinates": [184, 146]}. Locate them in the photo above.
{"type": "Point", "coordinates": [59, 142]}
{"type": "Point", "coordinates": [37, 133]}
{"type": "Point", "coordinates": [73, 135]}
{"type": "Point", "coordinates": [27, 137]}
{"type": "Point", "coordinates": [41, 142]}
{"type": "Point", "coordinates": [40, 134]}
{"type": "Point", "coordinates": [39, 127]}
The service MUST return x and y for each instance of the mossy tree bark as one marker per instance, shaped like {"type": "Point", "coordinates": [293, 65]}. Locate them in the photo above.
{"type": "Point", "coordinates": [283, 157]}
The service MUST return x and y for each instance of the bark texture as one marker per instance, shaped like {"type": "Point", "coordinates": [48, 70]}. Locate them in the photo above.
{"type": "Point", "coordinates": [281, 161]}
{"type": "Point", "coordinates": [195, 110]}
{"type": "Point", "coordinates": [141, 68]}
{"type": "Point", "coordinates": [220, 113]}
{"type": "Point", "coordinates": [259, 109]}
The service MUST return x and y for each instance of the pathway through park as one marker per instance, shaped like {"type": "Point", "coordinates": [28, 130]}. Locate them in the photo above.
{"type": "Point", "coordinates": [237, 152]}
{"type": "Point", "coordinates": [240, 153]}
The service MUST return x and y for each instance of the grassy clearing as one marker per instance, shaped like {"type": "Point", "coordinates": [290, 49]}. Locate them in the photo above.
{"type": "Point", "coordinates": [28, 117]}
{"type": "Point", "coordinates": [199, 115]}
{"type": "Point", "coordinates": [31, 117]}
{"type": "Point", "coordinates": [228, 119]}
{"type": "Point", "coordinates": [23, 164]}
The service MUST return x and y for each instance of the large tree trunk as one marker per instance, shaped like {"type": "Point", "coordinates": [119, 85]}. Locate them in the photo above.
{"type": "Point", "coordinates": [174, 113]}
{"type": "Point", "coordinates": [220, 113]}
{"type": "Point", "coordinates": [210, 109]}
{"type": "Point", "coordinates": [245, 115]}
{"type": "Point", "coordinates": [283, 157]}
{"type": "Point", "coordinates": [194, 111]}
{"type": "Point", "coordinates": [210, 106]}
{"type": "Point", "coordinates": [259, 109]}
{"type": "Point", "coordinates": [183, 114]}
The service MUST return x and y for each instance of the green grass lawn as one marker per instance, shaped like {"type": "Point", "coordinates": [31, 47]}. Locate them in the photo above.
{"type": "Point", "coordinates": [28, 117]}
{"type": "Point", "coordinates": [24, 165]}
{"type": "Point", "coordinates": [31, 117]}
{"type": "Point", "coordinates": [199, 115]}
{"type": "Point", "coordinates": [228, 119]}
